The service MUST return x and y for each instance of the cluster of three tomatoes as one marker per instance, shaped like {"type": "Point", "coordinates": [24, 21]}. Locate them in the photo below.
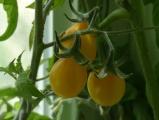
{"type": "Point", "coordinates": [68, 78]}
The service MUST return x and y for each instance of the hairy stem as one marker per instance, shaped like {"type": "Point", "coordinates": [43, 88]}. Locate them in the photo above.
{"type": "Point", "coordinates": [26, 107]}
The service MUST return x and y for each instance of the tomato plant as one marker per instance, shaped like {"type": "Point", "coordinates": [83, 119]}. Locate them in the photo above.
{"type": "Point", "coordinates": [67, 78]}
{"type": "Point", "coordinates": [106, 34]}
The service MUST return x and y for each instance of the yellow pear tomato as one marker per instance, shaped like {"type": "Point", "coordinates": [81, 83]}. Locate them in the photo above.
{"type": "Point", "coordinates": [67, 77]}
{"type": "Point", "coordinates": [106, 91]}
{"type": "Point", "coordinates": [88, 41]}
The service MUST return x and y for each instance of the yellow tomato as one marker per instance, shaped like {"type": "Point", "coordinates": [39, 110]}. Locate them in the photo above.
{"type": "Point", "coordinates": [67, 77]}
{"type": "Point", "coordinates": [106, 91]}
{"type": "Point", "coordinates": [88, 41]}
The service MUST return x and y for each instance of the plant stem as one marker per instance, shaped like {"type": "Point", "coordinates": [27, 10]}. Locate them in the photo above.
{"type": "Point", "coordinates": [49, 45]}
{"type": "Point", "coordinates": [38, 43]}
{"type": "Point", "coordinates": [26, 107]}
{"type": "Point", "coordinates": [39, 79]}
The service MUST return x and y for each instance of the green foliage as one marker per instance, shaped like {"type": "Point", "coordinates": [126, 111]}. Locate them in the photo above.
{"type": "Point", "coordinates": [25, 86]}
{"type": "Point", "coordinates": [141, 110]}
{"type": "Point", "coordinates": [140, 53]}
{"type": "Point", "coordinates": [36, 116]}
{"type": "Point", "coordinates": [15, 67]}
{"type": "Point", "coordinates": [11, 8]}
{"type": "Point", "coordinates": [156, 19]}
{"type": "Point", "coordinates": [131, 92]}
{"type": "Point", "coordinates": [8, 92]}
{"type": "Point", "coordinates": [31, 36]}
{"type": "Point", "coordinates": [56, 4]}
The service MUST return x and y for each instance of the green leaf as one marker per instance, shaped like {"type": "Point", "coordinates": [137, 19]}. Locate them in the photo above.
{"type": "Point", "coordinates": [25, 86]}
{"type": "Point", "coordinates": [36, 116]}
{"type": "Point", "coordinates": [157, 70]}
{"type": "Point", "coordinates": [87, 112]}
{"type": "Point", "coordinates": [32, 5]}
{"type": "Point", "coordinates": [148, 1]}
{"type": "Point", "coordinates": [17, 105]}
{"type": "Point", "coordinates": [14, 67]}
{"type": "Point", "coordinates": [6, 71]}
{"type": "Point", "coordinates": [156, 19]}
{"type": "Point", "coordinates": [131, 93]}
{"type": "Point", "coordinates": [31, 37]}
{"type": "Point", "coordinates": [11, 92]}
{"type": "Point", "coordinates": [19, 67]}
{"type": "Point", "coordinates": [1, 1]}
{"type": "Point", "coordinates": [56, 4]}
{"type": "Point", "coordinates": [11, 8]}
{"type": "Point", "coordinates": [142, 110]}
{"type": "Point", "coordinates": [8, 116]}
{"type": "Point", "coordinates": [65, 107]}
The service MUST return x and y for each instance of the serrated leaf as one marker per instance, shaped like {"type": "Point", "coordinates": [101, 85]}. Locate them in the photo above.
{"type": "Point", "coordinates": [25, 86]}
{"type": "Point", "coordinates": [6, 71]}
{"type": "Point", "coordinates": [11, 92]}
{"type": "Point", "coordinates": [156, 19]}
{"type": "Point", "coordinates": [36, 116]}
{"type": "Point", "coordinates": [11, 67]}
{"type": "Point", "coordinates": [32, 5]}
{"type": "Point", "coordinates": [11, 8]}
{"type": "Point", "coordinates": [56, 4]}
{"type": "Point", "coordinates": [19, 67]}
{"type": "Point", "coordinates": [14, 67]}
{"type": "Point", "coordinates": [31, 37]}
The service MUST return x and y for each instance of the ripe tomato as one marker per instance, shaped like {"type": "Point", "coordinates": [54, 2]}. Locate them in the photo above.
{"type": "Point", "coordinates": [106, 91]}
{"type": "Point", "coordinates": [88, 41]}
{"type": "Point", "coordinates": [67, 77]}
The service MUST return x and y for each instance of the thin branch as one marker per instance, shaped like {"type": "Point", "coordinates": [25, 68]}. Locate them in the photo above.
{"type": "Point", "coordinates": [133, 30]}
{"type": "Point", "coordinates": [26, 106]}
{"type": "Point", "coordinates": [39, 79]}
{"type": "Point", "coordinates": [95, 31]}
{"type": "Point", "coordinates": [49, 45]}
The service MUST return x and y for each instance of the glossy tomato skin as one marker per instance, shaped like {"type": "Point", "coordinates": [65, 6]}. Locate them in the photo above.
{"type": "Point", "coordinates": [88, 41]}
{"type": "Point", "coordinates": [67, 77]}
{"type": "Point", "coordinates": [107, 91]}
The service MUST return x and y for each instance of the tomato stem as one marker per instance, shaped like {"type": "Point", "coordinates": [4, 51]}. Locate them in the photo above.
{"type": "Point", "coordinates": [38, 47]}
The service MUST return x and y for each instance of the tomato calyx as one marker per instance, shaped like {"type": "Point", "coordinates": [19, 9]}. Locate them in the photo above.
{"type": "Point", "coordinates": [89, 16]}
{"type": "Point", "coordinates": [70, 52]}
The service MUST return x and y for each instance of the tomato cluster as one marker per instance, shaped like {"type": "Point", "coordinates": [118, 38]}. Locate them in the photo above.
{"type": "Point", "coordinates": [68, 78]}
